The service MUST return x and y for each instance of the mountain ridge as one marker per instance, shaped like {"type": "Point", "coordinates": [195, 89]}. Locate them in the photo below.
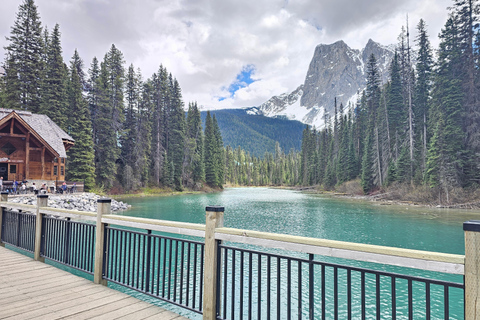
{"type": "Point", "coordinates": [335, 71]}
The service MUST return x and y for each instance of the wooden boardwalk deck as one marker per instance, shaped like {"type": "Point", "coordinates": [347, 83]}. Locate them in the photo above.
{"type": "Point", "coordinates": [34, 290]}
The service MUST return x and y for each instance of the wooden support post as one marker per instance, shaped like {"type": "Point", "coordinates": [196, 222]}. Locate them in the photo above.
{"type": "Point", "coordinates": [103, 207]}
{"type": "Point", "coordinates": [27, 157]}
{"type": "Point", "coordinates": [43, 162]}
{"type": "Point", "coordinates": [214, 219]}
{"type": "Point", "coordinates": [42, 201]}
{"type": "Point", "coordinates": [4, 198]}
{"type": "Point", "coordinates": [472, 269]}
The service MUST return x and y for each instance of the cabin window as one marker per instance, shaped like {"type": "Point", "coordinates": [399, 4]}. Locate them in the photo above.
{"type": "Point", "coordinates": [55, 170]}
{"type": "Point", "coordinates": [62, 171]}
{"type": "Point", "coordinates": [13, 168]}
{"type": "Point", "coordinates": [63, 160]}
{"type": "Point", "coordinates": [55, 160]}
{"type": "Point", "coordinates": [8, 148]}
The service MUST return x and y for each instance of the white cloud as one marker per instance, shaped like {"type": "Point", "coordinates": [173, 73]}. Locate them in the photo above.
{"type": "Point", "coordinates": [206, 43]}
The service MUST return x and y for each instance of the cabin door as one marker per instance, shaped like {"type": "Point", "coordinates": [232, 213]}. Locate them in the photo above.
{"type": "Point", "coordinates": [4, 171]}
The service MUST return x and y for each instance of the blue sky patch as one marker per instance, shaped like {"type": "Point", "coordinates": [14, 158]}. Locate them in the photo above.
{"type": "Point", "coordinates": [243, 79]}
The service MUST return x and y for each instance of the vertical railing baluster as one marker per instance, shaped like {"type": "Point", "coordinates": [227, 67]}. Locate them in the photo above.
{"type": "Point", "coordinates": [289, 288]}
{"type": "Point", "coordinates": [299, 289]}
{"type": "Point", "coordinates": [158, 253]}
{"type": "Point", "coordinates": [194, 288]}
{"type": "Point", "coordinates": [234, 277]}
{"type": "Point", "coordinates": [377, 296]}
{"type": "Point", "coordinates": [19, 227]}
{"type": "Point", "coordinates": [394, 298]}
{"type": "Point", "coordinates": [225, 279]}
{"type": "Point", "coordinates": [189, 268]}
{"type": "Point", "coordinates": [170, 254]}
{"type": "Point", "coordinates": [250, 286]}
{"type": "Point", "coordinates": [175, 286]}
{"type": "Point", "coordinates": [269, 285]}
{"type": "Point", "coordinates": [165, 249]}
{"type": "Point", "coordinates": [335, 293]}
{"type": "Point", "coordinates": [323, 293]}
{"type": "Point", "coordinates": [242, 266]}
{"type": "Point", "coordinates": [148, 260]}
{"type": "Point", "coordinates": [349, 294]}
{"type": "Point", "coordinates": [410, 300]}
{"type": "Point", "coordinates": [182, 262]}
{"type": "Point", "coordinates": [259, 286]}
{"type": "Point", "coordinates": [362, 289]}
{"type": "Point", "coordinates": [427, 300]}
{"type": "Point", "coordinates": [138, 253]}
{"type": "Point", "coordinates": [311, 292]}
{"type": "Point", "coordinates": [129, 259]}
{"type": "Point", "coordinates": [278, 288]}
{"type": "Point", "coordinates": [66, 250]}
{"type": "Point", "coordinates": [446, 302]}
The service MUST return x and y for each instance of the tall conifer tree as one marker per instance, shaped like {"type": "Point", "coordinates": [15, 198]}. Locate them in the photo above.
{"type": "Point", "coordinates": [54, 100]}
{"type": "Point", "coordinates": [80, 163]}
{"type": "Point", "coordinates": [24, 65]}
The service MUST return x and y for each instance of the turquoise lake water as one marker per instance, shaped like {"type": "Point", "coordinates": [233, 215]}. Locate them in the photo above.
{"type": "Point", "coordinates": [297, 213]}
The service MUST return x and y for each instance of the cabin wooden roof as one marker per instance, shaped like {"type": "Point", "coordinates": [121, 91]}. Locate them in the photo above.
{"type": "Point", "coordinates": [43, 127]}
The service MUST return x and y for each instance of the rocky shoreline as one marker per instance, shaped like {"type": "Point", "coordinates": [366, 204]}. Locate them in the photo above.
{"type": "Point", "coordinates": [76, 201]}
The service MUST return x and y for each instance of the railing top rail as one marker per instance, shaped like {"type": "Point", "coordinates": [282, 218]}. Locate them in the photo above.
{"type": "Point", "coordinates": [49, 210]}
{"type": "Point", "coordinates": [433, 261]}
{"type": "Point", "coordinates": [19, 206]}
{"type": "Point", "coordinates": [193, 229]}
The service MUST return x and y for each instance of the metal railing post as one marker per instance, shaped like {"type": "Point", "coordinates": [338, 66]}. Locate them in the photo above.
{"type": "Point", "coordinates": [103, 207]}
{"type": "Point", "coordinates": [4, 198]}
{"type": "Point", "coordinates": [472, 269]}
{"type": "Point", "coordinates": [42, 201]}
{"type": "Point", "coordinates": [214, 219]}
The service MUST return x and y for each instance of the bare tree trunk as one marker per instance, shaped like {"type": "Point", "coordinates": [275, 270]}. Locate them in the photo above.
{"type": "Point", "coordinates": [379, 164]}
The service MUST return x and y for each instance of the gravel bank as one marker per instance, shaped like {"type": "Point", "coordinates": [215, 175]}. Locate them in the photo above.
{"type": "Point", "coordinates": [76, 201]}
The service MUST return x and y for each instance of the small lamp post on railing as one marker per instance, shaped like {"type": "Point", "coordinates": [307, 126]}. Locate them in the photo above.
{"type": "Point", "coordinates": [214, 219]}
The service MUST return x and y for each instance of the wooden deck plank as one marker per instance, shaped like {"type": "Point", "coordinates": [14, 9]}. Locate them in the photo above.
{"type": "Point", "coordinates": [126, 311]}
{"type": "Point", "coordinates": [151, 311]}
{"type": "Point", "coordinates": [34, 290]}
{"type": "Point", "coordinates": [88, 314]}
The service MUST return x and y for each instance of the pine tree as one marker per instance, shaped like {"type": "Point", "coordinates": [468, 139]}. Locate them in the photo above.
{"type": "Point", "coordinates": [80, 164]}
{"type": "Point", "coordinates": [109, 117]}
{"type": "Point", "coordinates": [142, 148]}
{"type": "Point", "coordinates": [445, 159]}
{"type": "Point", "coordinates": [94, 91]}
{"type": "Point", "coordinates": [129, 137]}
{"type": "Point", "coordinates": [24, 66]}
{"type": "Point", "coordinates": [194, 165]}
{"type": "Point", "coordinates": [371, 170]}
{"type": "Point", "coordinates": [396, 110]}
{"type": "Point", "coordinates": [422, 89]}
{"type": "Point", "coordinates": [211, 173]}
{"type": "Point", "coordinates": [54, 100]}
{"type": "Point", "coordinates": [175, 134]}
{"type": "Point", "coordinates": [219, 154]}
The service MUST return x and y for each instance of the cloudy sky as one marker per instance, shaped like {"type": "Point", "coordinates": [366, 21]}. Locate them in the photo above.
{"type": "Point", "coordinates": [226, 53]}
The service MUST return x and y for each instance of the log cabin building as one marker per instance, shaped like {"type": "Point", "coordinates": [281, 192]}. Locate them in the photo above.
{"type": "Point", "coordinates": [32, 147]}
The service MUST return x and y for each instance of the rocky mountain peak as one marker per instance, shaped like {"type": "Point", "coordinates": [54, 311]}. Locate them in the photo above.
{"type": "Point", "coordinates": [335, 71]}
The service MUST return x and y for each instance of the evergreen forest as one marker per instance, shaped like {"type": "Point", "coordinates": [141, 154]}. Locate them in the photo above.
{"type": "Point", "coordinates": [421, 129]}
